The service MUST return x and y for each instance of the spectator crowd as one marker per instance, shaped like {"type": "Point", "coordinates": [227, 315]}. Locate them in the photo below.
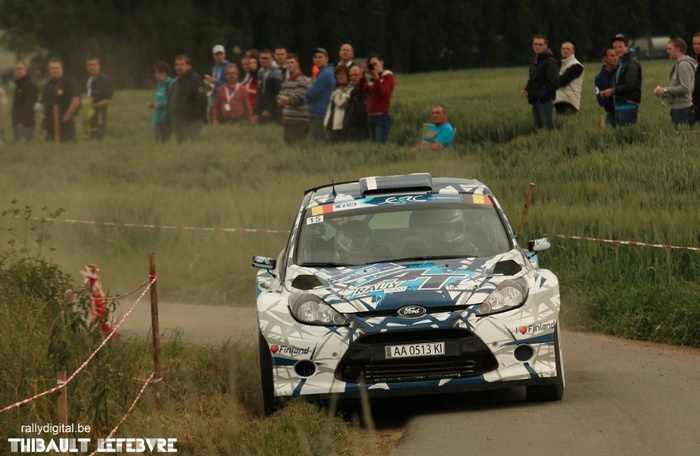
{"type": "Point", "coordinates": [337, 103]}
{"type": "Point", "coordinates": [555, 86]}
{"type": "Point", "coordinates": [345, 101]}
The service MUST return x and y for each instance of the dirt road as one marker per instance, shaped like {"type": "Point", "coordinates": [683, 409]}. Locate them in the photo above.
{"type": "Point", "coordinates": [622, 398]}
{"type": "Point", "coordinates": [199, 324]}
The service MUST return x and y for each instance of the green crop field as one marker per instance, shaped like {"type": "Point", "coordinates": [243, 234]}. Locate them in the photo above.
{"type": "Point", "coordinates": [638, 183]}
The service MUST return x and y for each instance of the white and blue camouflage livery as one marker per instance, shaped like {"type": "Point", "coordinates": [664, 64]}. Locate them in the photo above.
{"type": "Point", "coordinates": [406, 285]}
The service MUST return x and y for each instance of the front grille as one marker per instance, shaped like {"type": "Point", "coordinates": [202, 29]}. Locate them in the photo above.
{"type": "Point", "coordinates": [394, 312]}
{"type": "Point", "coordinates": [465, 356]}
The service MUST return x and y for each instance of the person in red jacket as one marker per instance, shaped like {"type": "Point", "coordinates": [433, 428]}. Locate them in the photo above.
{"type": "Point", "coordinates": [231, 101]}
{"type": "Point", "coordinates": [379, 90]}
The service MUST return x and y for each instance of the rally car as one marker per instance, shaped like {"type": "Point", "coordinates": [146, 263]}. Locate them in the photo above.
{"type": "Point", "coordinates": [400, 285]}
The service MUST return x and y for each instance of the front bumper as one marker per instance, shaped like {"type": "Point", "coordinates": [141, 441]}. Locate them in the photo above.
{"type": "Point", "coordinates": [514, 348]}
{"type": "Point", "coordinates": [465, 355]}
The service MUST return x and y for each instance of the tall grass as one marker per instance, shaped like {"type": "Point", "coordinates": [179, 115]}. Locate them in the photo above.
{"type": "Point", "coordinates": [211, 400]}
{"type": "Point", "coordinates": [637, 183]}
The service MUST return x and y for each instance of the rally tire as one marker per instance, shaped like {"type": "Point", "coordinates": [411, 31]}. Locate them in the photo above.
{"type": "Point", "coordinates": [270, 403]}
{"type": "Point", "coordinates": [549, 393]}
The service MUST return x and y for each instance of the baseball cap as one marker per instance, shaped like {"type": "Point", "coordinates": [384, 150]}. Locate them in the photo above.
{"type": "Point", "coordinates": [321, 50]}
{"type": "Point", "coordinates": [218, 48]}
{"type": "Point", "coordinates": [620, 37]}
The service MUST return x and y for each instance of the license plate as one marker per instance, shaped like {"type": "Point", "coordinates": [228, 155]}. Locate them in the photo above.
{"type": "Point", "coordinates": [408, 350]}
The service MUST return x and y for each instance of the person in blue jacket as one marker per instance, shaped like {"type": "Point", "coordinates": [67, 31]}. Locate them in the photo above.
{"type": "Point", "coordinates": [604, 81]}
{"type": "Point", "coordinates": [159, 119]}
{"type": "Point", "coordinates": [319, 95]}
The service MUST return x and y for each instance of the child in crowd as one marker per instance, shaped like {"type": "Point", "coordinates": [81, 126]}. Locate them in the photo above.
{"type": "Point", "coordinates": [160, 104]}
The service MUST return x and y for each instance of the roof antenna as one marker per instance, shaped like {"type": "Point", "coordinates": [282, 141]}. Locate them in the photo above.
{"type": "Point", "coordinates": [334, 192]}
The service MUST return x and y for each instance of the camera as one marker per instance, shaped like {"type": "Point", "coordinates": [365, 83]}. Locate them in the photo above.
{"type": "Point", "coordinates": [370, 66]}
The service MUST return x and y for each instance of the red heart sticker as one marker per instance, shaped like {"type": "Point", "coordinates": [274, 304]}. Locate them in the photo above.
{"type": "Point", "coordinates": [274, 348]}
{"type": "Point", "coordinates": [522, 329]}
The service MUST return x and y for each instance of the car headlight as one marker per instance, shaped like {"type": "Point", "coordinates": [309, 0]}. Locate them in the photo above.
{"type": "Point", "coordinates": [312, 310]}
{"type": "Point", "coordinates": [508, 295]}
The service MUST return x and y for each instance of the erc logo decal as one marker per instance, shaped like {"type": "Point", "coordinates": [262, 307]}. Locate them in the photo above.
{"type": "Point", "coordinates": [289, 350]}
{"type": "Point", "coordinates": [405, 199]}
{"type": "Point", "coordinates": [411, 311]}
{"type": "Point", "coordinates": [533, 329]}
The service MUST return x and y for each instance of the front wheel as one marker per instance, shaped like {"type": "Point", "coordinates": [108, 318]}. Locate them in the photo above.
{"type": "Point", "coordinates": [546, 393]}
{"type": "Point", "coordinates": [270, 403]}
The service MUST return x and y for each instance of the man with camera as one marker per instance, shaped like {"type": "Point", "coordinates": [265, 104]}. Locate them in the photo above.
{"type": "Point", "coordinates": [379, 90]}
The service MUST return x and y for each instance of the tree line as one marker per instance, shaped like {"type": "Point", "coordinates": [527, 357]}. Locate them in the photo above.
{"type": "Point", "coordinates": [130, 35]}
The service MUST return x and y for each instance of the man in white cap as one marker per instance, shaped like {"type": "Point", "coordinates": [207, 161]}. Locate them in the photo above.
{"type": "Point", "coordinates": [217, 78]}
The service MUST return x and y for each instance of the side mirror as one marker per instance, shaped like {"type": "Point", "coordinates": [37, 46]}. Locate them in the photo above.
{"type": "Point", "coordinates": [538, 245]}
{"type": "Point", "coordinates": [262, 262]}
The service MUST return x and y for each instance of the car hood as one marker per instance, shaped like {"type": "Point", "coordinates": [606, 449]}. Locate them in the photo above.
{"type": "Point", "coordinates": [392, 285]}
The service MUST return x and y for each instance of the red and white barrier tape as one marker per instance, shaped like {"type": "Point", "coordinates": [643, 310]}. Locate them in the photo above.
{"type": "Point", "coordinates": [133, 404]}
{"type": "Point", "coordinates": [160, 227]}
{"type": "Point", "coordinates": [87, 361]}
{"type": "Point", "coordinates": [259, 230]}
{"type": "Point", "coordinates": [617, 241]}
{"type": "Point", "coordinates": [124, 295]}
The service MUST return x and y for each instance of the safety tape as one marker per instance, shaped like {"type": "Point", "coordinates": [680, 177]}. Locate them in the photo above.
{"type": "Point", "coordinates": [124, 295]}
{"type": "Point", "coordinates": [133, 404]}
{"type": "Point", "coordinates": [62, 385]}
{"type": "Point", "coordinates": [617, 241]}
{"type": "Point", "coordinates": [160, 227]}
{"type": "Point", "coordinates": [259, 230]}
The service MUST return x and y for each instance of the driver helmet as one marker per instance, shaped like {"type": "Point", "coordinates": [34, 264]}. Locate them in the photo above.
{"type": "Point", "coordinates": [353, 241]}
{"type": "Point", "coordinates": [453, 224]}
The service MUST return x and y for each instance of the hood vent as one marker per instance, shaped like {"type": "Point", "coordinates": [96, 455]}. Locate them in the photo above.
{"type": "Point", "coordinates": [306, 282]}
{"type": "Point", "coordinates": [508, 268]}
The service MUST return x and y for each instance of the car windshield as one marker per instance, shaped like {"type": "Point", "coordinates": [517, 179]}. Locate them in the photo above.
{"type": "Point", "coordinates": [355, 234]}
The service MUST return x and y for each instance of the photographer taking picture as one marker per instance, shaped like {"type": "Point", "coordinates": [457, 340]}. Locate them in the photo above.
{"type": "Point", "coordinates": [379, 90]}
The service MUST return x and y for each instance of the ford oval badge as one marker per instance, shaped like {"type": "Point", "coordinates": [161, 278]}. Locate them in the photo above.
{"type": "Point", "coordinates": [411, 311]}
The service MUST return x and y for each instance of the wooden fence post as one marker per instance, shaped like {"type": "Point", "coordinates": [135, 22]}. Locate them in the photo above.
{"type": "Point", "coordinates": [155, 328]}
{"type": "Point", "coordinates": [62, 401]}
{"type": "Point", "coordinates": [526, 209]}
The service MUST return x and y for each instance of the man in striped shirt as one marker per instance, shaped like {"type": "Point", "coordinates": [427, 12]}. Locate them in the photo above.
{"type": "Point", "coordinates": [295, 113]}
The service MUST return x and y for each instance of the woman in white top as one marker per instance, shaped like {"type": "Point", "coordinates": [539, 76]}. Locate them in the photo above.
{"type": "Point", "coordinates": [335, 114]}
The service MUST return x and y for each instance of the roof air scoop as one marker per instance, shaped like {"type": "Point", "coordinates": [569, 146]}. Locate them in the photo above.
{"type": "Point", "coordinates": [418, 182]}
